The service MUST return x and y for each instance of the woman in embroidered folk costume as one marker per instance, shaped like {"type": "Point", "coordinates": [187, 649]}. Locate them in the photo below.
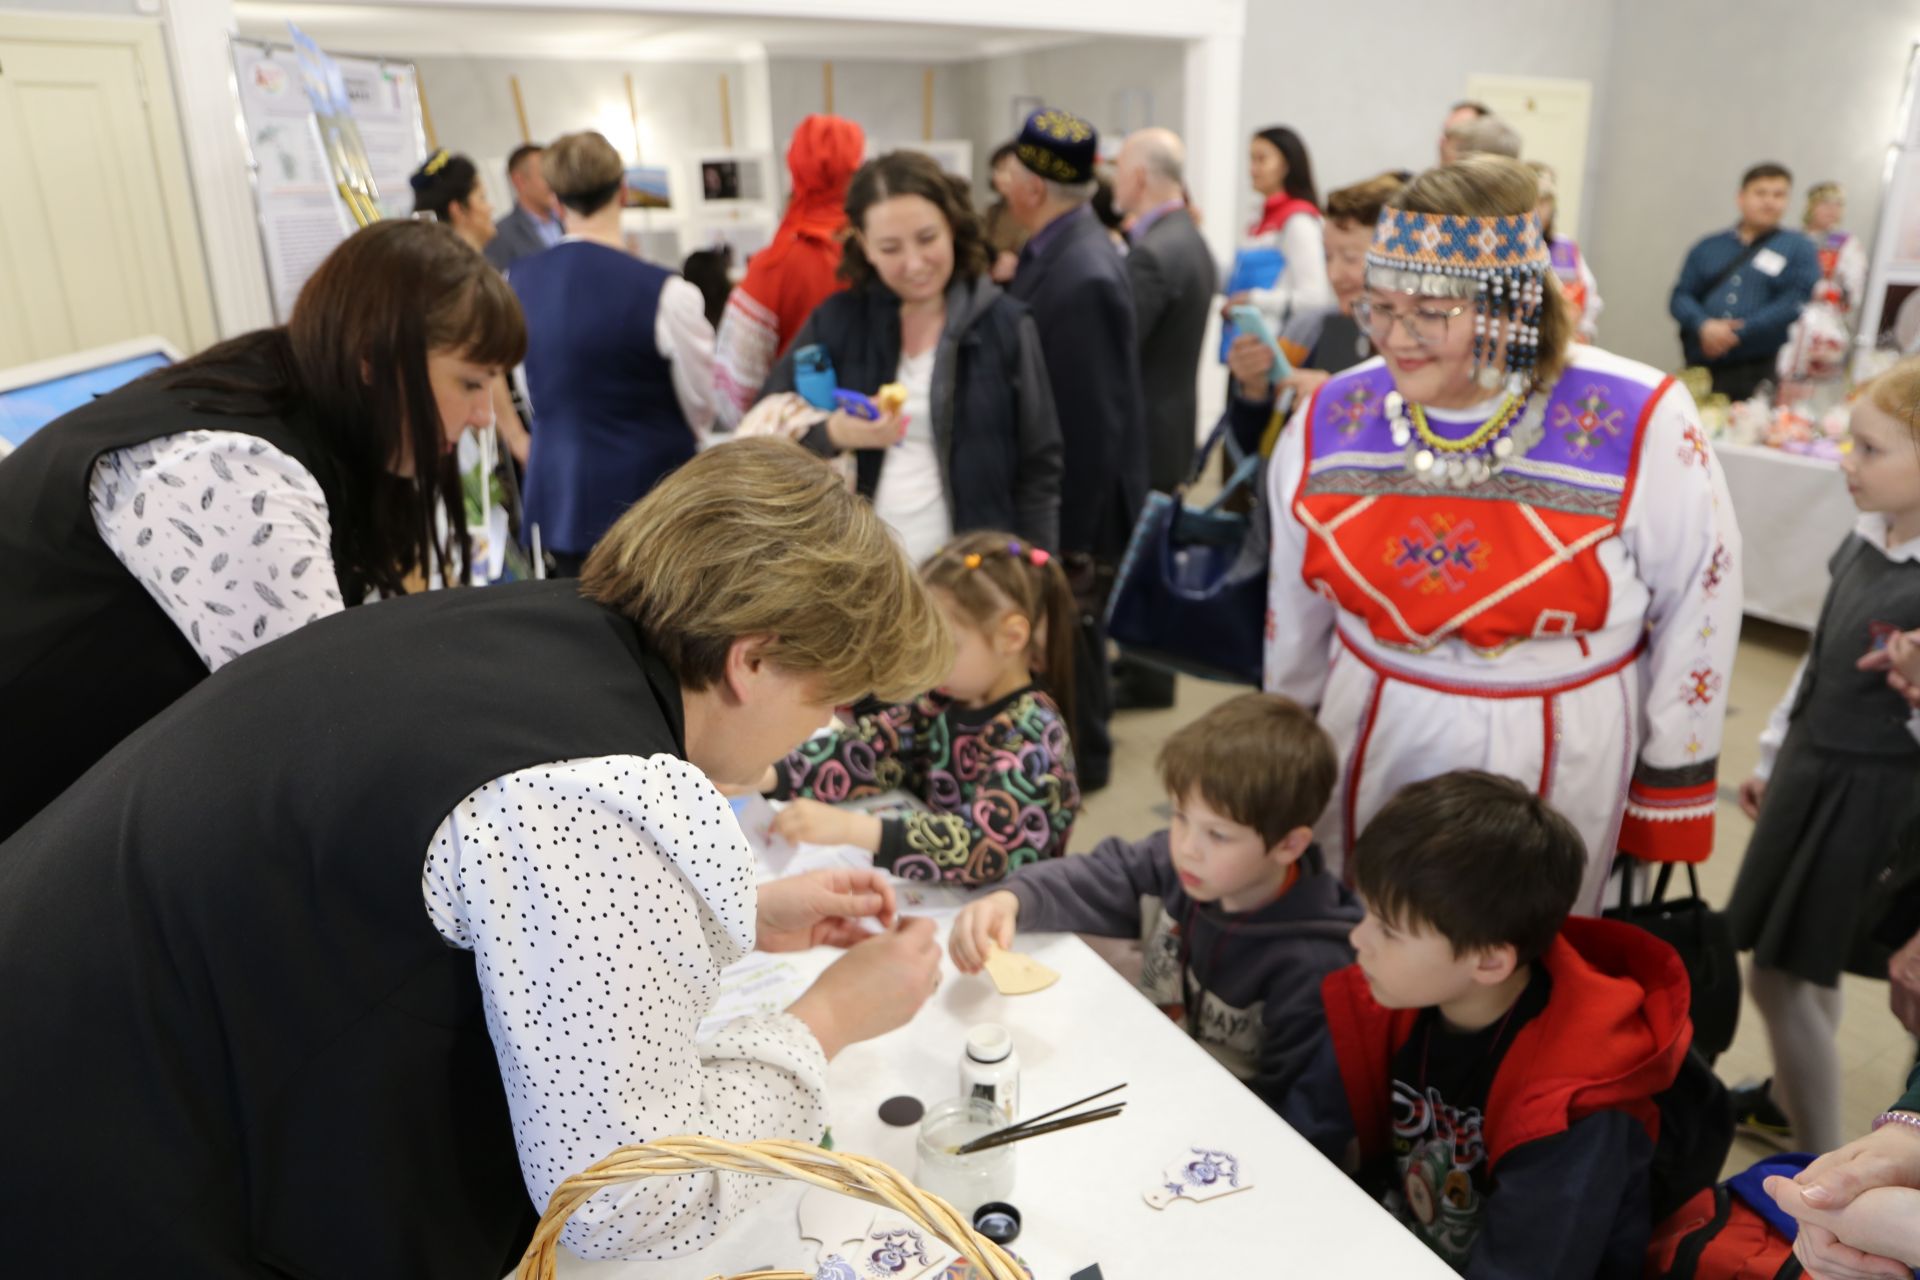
{"type": "Point", "coordinates": [1496, 549]}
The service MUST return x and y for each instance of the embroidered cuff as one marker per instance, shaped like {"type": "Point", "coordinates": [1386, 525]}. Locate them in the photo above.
{"type": "Point", "coordinates": [1669, 815]}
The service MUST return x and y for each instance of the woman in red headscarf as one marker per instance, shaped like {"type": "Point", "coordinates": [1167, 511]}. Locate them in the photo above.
{"type": "Point", "coordinates": [786, 280]}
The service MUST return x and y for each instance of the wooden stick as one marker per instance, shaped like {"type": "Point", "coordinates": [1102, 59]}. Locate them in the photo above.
{"type": "Point", "coordinates": [726, 112]}
{"type": "Point", "coordinates": [1030, 1121]}
{"type": "Point", "coordinates": [633, 115]}
{"type": "Point", "coordinates": [426, 113]}
{"type": "Point", "coordinates": [1071, 1122]}
{"type": "Point", "coordinates": [926, 106]}
{"type": "Point", "coordinates": [826, 74]}
{"type": "Point", "coordinates": [520, 109]}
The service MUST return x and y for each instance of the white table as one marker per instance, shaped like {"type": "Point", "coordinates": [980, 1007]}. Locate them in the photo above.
{"type": "Point", "coordinates": [1794, 512]}
{"type": "Point", "coordinates": [1080, 1191]}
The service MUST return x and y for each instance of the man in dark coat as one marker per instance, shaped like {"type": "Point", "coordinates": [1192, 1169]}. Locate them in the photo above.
{"type": "Point", "coordinates": [1074, 281]}
{"type": "Point", "coordinates": [534, 224]}
{"type": "Point", "coordinates": [1174, 279]}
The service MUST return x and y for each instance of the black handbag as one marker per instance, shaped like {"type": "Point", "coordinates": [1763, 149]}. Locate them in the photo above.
{"type": "Point", "coordinates": [1191, 594]}
{"type": "Point", "coordinates": [1705, 942]}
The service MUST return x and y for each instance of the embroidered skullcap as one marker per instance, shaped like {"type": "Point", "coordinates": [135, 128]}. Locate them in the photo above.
{"type": "Point", "coordinates": [1058, 145]}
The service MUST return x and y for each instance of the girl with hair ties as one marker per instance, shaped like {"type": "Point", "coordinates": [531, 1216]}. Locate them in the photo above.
{"type": "Point", "coordinates": [194, 515]}
{"type": "Point", "coordinates": [1496, 549]}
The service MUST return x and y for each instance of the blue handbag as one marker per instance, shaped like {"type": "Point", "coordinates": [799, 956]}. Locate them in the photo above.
{"type": "Point", "coordinates": [1191, 595]}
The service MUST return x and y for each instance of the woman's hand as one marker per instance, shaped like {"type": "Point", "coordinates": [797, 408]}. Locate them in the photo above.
{"type": "Point", "coordinates": [823, 909]}
{"type": "Point", "coordinates": [1251, 363]}
{"type": "Point", "coordinates": [873, 989]}
{"type": "Point", "coordinates": [984, 924]}
{"type": "Point", "coordinates": [1752, 792]}
{"type": "Point", "coordinates": [1877, 1234]}
{"type": "Point", "coordinates": [810, 822]}
{"type": "Point", "coordinates": [848, 432]}
{"type": "Point", "coordinates": [1903, 971]}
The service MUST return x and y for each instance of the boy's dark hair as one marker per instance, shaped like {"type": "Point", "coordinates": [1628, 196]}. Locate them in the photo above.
{"type": "Point", "coordinates": [1259, 759]}
{"type": "Point", "coordinates": [1765, 169]}
{"type": "Point", "coordinates": [1478, 859]}
{"type": "Point", "coordinates": [1361, 203]}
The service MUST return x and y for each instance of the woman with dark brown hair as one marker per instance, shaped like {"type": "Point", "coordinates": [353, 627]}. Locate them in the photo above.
{"type": "Point", "coordinates": [168, 528]}
{"type": "Point", "coordinates": [976, 444]}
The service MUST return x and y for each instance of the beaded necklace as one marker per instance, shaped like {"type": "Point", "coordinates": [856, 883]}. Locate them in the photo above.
{"type": "Point", "coordinates": [1512, 432]}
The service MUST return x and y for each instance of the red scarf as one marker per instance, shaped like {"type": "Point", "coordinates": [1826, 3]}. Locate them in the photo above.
{"type": "Point", "coordinates": [1279, 207]}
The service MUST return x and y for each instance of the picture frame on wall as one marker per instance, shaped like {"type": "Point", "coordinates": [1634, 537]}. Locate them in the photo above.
{"type": "Point", "coordinates": [733, 179]}
{"type": "Point", "coordinates": [648, 187]}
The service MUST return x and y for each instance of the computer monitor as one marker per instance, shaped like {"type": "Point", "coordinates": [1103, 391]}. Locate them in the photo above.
{"type": "Point", "coordinates": [32, 395]}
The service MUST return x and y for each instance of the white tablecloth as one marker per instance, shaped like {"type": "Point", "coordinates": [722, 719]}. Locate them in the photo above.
{"type": "Point", "coordinates": [1080, 1191]}
{"type": "Point", "coordinates": [1793, 512]}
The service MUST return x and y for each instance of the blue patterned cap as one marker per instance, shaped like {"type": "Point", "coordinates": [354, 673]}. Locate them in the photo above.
{"type": "Point", "coordinates": [1058, 145]}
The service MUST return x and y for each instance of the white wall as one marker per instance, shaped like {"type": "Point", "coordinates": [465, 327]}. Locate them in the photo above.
{"type": "Point", "coordinates": [1820, 96]}
{"type": "Point", "coordinates": [1368, 87]}
{"type": "Point", "coordinates": [679, 108]}
{"type": "Point", "coordinates": [1087, 79]}
{"type": "Point", "coordinates": [885, 98]}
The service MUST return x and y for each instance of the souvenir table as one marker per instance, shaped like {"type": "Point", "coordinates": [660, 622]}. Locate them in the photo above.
{"type": "Point", "coordinates": [1081, 1191]}
{"type": "Point", "coordinates": [1793, 512]}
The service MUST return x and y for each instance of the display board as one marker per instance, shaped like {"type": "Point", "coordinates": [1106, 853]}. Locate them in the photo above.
{"type": "Point", "coordinates": [302, 216]}
{"type": "Point", "coordinates": [1890, 313]}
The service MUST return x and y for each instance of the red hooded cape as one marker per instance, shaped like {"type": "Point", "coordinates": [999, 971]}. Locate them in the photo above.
{"type": "Point", "coordinates": [791, 275]}
{"type": "Point", "coordinates": [1613, 1034]}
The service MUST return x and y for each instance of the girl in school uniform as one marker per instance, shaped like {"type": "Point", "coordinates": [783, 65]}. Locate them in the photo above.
{"type": "Point", "coordinates": [1835, 788]}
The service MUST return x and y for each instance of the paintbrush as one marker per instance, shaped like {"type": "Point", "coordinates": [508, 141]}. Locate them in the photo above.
{"type": "Point", "coordinates": [1028, 1123]}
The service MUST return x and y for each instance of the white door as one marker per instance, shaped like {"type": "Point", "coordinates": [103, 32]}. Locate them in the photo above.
{"type": "Point", "coordinates": [97, 239]}
{"type": "Point", "coordinates": [1552, 117]}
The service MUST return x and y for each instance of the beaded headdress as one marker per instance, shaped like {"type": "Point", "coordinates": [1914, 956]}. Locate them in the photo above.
{"type": "Point", "coordinates": [1500, 263]}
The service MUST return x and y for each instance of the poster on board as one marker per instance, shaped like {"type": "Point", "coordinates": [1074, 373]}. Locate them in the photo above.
{"type": "Point", "coordinates": [301, 214]}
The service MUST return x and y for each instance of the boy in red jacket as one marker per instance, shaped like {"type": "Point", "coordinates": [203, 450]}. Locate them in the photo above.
{"type": "Point", "coordinates": [1490, 1065]}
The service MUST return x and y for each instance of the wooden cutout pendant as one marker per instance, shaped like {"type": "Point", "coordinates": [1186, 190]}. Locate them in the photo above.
{"type": "Point", "coordinates": [1018, 975]}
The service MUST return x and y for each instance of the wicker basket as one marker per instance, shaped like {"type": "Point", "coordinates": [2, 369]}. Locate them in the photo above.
{"type": "Point", "coordinates": [855, 1176]}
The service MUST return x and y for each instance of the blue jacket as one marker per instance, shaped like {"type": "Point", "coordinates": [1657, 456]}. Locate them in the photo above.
{"type": "Point", "coordinates": [606, 423]}
{"type": "Point", "coordinates": [1768, 304]}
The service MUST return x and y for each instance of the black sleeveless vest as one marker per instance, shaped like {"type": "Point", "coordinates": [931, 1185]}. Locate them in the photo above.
{"type": "Point", "coordinates": [86, 655]}
{"type": "Point", "coordinates": [1855, 711]}
{"type": "Point", "coordinates": [235, 1045]}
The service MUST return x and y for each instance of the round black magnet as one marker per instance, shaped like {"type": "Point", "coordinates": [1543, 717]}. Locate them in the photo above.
{"type": "Point", "coordinates": [902, 1112]}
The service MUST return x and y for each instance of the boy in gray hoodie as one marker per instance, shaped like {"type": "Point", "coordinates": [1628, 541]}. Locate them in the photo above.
{"type": "Point", "coordinates": [1233, 904]}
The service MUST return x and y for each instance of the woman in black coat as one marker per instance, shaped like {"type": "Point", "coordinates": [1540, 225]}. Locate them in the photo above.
{"type": "Point", "coordinates": [976, 444]}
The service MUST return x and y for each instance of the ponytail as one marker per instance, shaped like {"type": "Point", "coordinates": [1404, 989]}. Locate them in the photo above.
{"type": "Point", "coordinates": [989, 573]}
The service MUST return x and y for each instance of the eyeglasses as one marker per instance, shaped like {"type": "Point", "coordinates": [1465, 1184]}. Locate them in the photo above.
{"type": "Point", "coordinates": [1426, 325]}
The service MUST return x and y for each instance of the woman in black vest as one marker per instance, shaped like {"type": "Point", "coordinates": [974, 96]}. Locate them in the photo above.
{"type": "Point", "coordinates": [976, 444]}
{"type": "Point", "coordinates": [355, 953]}
{"type": "Point", "coordinates": [168, 528]}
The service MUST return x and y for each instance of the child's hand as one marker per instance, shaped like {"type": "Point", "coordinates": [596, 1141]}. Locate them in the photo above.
{"type": "Point", "coordinates": [986, 923]}
{"type": "Point", "coordinates": [1878, 1234]}
{"type": "Point", "coordinates": [1752, 792]}
{"type": "Point", "coordinates": [1901, 661]}
{"type": "Point", "coordinates": [1887, 1157]}
{"type": "Point", "coordinates": [810, 822]}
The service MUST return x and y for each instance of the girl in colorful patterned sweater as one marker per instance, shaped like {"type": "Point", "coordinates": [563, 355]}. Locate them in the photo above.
{"type": "Point", "coordinates": [989, 751]}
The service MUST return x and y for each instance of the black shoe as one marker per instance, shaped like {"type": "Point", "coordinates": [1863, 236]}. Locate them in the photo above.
{"type": "Point", "coordinates": [1755, 1111]}
{"type": "Point", "coordinates": [1139, 688]}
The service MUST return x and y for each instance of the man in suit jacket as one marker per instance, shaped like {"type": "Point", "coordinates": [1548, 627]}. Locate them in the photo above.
{"type": "Point", "coordinates": [534, 224]}
{"type": "Point", "coordinates": [1174, 279]}
{"type": "Point", "coordinates": [1074, 281]}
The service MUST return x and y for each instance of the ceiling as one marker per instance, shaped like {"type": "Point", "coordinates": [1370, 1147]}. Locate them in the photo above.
{"type": "Point", "coordinates": [413, 30]}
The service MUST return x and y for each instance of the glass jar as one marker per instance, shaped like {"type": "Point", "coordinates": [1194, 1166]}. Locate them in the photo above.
{"type": "Point", "coordinates": [965, 1182]}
